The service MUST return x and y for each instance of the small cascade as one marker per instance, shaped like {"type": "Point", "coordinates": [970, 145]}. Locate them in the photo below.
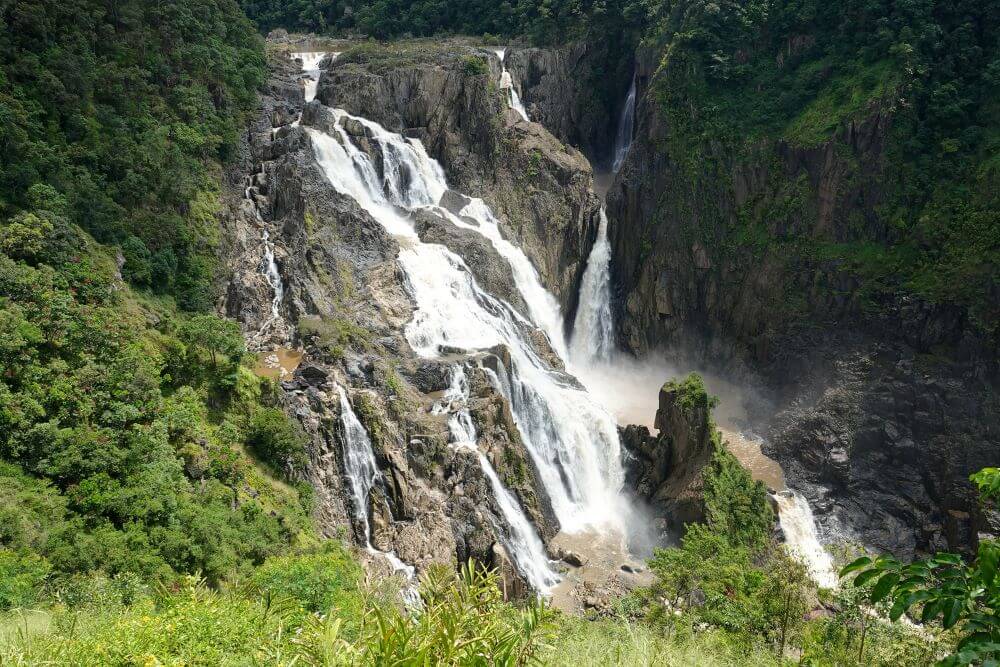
{"type": "Point", "coordinates": [799, 527]}
{"type": "Point", "coordinates": [520, 538]}
{"type": "Point", "coordinates": [268, 267]}
{"type": "Point", "coordinates": [573, 441]}
{"type": "Point", "coordinates": [594, 329]}
{"type": "Point", "coordinates": [362, 475]}
{"type": "Point", "coordinates": [507, 85]}
{"type": "Point", "coordinates": [310, 70]}
{"type": "Point", "coordinates": [626, 123]}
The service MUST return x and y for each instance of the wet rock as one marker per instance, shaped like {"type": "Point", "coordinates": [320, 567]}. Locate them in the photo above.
{"type": "Point", "coordinates": [492, 271]}
{"type": "Point", "coordinates": [313, 376]}
{"type": "Point", "coordinates": [572, 558]}
{"type": "Point", "coordinates": [538, 187]}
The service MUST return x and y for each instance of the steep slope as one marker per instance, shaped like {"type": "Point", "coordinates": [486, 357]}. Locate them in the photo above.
{"type": "Point", "coordinates": [415, 313]}
{"type": "Point", "coordinates": [768, 223]}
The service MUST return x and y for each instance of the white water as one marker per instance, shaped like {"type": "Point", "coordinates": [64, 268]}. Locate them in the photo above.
{"type": "Point", "coordinates": [572, 440]}
{"type": "Point", "coordinates": [594, 329]}
{"type": "Point", "coordinates": [507, 84]}
{"type": "Point", "coordinates": [310, 68]}
{"type": "Point", "coordinates": [799, 526]}
{"type": "Point", "coordinates": [520, 538]}
{"type": "Point", "coordinates": [362, 475]}
{"type": "Point", "coordinates": [623, 138]}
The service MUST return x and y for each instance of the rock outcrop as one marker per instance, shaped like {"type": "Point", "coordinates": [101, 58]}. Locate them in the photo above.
{"type": "Point", "coordinates": [446, 95]}
{"type": "Point", "coordinates": [665, 471]}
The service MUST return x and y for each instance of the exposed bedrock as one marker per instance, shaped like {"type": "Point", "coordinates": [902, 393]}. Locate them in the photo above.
{"type": "Point", "coordinates": [450, 100]}
{"type": "Point", "coordinates": [877, 408]}
{"type": "Point", "coordinates": [665, 471]}
{"type": "Point", "coordinates": [575, 91]}
{"type": "Point", "coordinates": [346, 305]}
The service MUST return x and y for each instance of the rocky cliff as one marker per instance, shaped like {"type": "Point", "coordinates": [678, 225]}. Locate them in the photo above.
{"type": "Point", "coordinates": [345, 304]}
{"type": "Point", "coordinates": [665, 471]}
{"type": "Point", "coordinates": [575, 91]}
{"type": "Point", "coordinates": [446, 94]}
{"type": "Point", "coordinates": [882, 405]}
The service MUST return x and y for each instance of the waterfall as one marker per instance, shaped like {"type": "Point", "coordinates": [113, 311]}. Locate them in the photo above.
{"type": "Point", "coordinates": [310, 68]}
{"type": "Point", "coordinates": [799, 526]}
{"type": "Point", "coordinates": [359, 462]}
{"type": "Point", "coordinates": [362, 475]}
{"type": "Point", "coordinates": [507, 85]}
{"type": "Point", "coordinates": [594, 329]}
{"type": "Point", "coordinates": [623, 138]}
{"type": "Point", "coordinates": [521, 539]}
{"type": "Point", "coordinates": [573, 442]}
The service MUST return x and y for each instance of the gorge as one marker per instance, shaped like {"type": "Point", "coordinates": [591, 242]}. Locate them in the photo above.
{"type": "Point", "coordinates": [476, 303]}
{"type": "Point", "coordinates": [566, 332]}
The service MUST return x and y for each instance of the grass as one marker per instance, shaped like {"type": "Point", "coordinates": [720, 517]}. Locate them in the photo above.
{"type": "Point", "coordinates": [629, 644]}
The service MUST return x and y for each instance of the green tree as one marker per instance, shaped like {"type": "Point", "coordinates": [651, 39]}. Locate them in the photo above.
{"type": "Point", "coordinates": [945, 588]}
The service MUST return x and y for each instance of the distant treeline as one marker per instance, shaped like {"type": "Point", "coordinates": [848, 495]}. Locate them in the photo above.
{"type": "Point", "coordinates": [540, 20]}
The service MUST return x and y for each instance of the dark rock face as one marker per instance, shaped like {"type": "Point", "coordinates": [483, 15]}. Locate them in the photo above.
{"type": "Point", "coordinates": [539, 188]}
{"type": "Point", "coordinates": [664, 471]}
{"type": "Point", "coordinates": [575, 91]}
{"type": "Point", "coordinates": [884, 451]}
{"type": "Point", "coordinates": [879, 414]}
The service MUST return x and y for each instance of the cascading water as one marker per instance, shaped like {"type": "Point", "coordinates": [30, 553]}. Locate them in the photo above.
{"type": "Point", "coordinates": [507, 85]}
{"type": "Point", "coordinates": [269, 267]}
{"type": "Point", "coordinates": [626, 123]}
{"type": "Point", "coordinates": [594, 329]}
{"type": "Point", "coordinates": [519, 537]}
{"type": "Point", "coordinates": [362, 475]}
{"type": "Point", "coordinates": [573, 441]}
{"type": "Point", "coordinates": [310, 69]}
{"type": "Point", "coordinates": [799, 527]}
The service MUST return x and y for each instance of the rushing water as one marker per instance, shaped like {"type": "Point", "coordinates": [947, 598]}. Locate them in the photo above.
{"type": "Point", "coordinates": [310, 69]}
{"type": "Point", "coordinates": [573, 441]}
{"type": "Point", "coordinates": [799, 527]}
{"type": "Point", "coordinates": [362, 475]}
{"type": "Point", "coordinates": [594, 329]}
{"type": "Point", "coordinates": [626, 123]}
{"type": "Point", "coordinates": [519, 536]}
{"type": "Point", "coordinates": [507, 85]}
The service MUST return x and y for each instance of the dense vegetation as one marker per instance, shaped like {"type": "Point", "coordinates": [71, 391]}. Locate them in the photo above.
{"type": "Point", "coordinates": [126, 425]}
{"type": "Point", "coordinates": [539, 20]}
{"type": "Point", "coordinates": [748, 74]}
{"type": "Point", "coordinates": [123, 109]}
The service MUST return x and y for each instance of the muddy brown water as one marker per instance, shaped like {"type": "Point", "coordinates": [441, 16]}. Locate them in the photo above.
{"type": "Point", "coordinates": [278, 364]}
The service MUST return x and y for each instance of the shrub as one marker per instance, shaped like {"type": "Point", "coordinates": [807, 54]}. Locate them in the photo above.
{"type": "Point", "coordinates": [325, 582]}
{"type": "Point", "coordinates": [275, 439]}
{"type": "Point", "coordinates": [21, 578]}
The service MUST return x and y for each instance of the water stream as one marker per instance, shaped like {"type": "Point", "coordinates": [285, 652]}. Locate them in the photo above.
{"type": "Point", "coordinates": [507, 85]}
{"type": "Point", "coordinates": [626, 123]}
{"type": "Point", "coordinates": [519, 535]}
{"type": "Point", "coordinates": [572, 440]}
{"type": "Point", "coordinates": [362, 475]}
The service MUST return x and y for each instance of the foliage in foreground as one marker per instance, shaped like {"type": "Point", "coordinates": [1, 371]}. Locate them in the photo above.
{"type": "Point", "coordinates": [945, 588]}
{"type": "Point", "coordinates": [463, 620]}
